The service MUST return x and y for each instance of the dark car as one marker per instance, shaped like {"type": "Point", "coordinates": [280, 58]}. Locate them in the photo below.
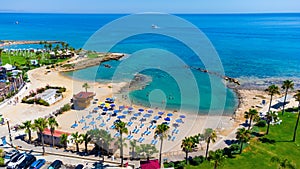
{"type": "Point", "coordinates": [55, 165]}
{"type": "Point", "coordinates": [29, 159]}
{"type": "Point", "coordinates": [79, 166]}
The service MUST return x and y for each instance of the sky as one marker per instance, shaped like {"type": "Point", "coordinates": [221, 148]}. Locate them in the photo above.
{"type": "Point", "coordinates": [137, 6]}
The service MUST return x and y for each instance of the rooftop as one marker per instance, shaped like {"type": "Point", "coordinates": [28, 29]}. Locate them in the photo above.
{"type": "Point", "coordinates": [84, 95]}
{"type": "Point", "coordinates": [57, 133]}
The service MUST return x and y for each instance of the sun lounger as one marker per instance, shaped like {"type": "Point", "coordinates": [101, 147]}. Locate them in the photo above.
{"type": "Point", "coordinates": [129, 123]}
{"type": "Point", "coordinates": [137, 131]}
{"type": "Point", "coordinates": [112, 127]}
{"type": "Point", "coordinates": [142, 125]}
{"type": "Point", "coordinates": [153, 127]}
{"type": "Point", "coordinates": [148, 132]}
{"type": "Point", "coordinates": [173, 138]}
{"type": "Point", "coordinates": [117, 135]}
{"type": "Point", "coordinates": [134, 130]}
{"type": "Point", "coordinates": [142, 140]}
{"type": "Point", "coordinates": [74, 125]}
{"type": "Point", "coordinates": [102, 124]}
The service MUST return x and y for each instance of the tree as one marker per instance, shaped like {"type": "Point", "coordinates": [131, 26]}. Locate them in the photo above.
{"type": "Point", "coordinates": [52, 124]}
{"type": "Point", "coordinates": [121, 128]}
{"type": "Point", "coordinates": [297, 97]}
{"type": "Point", "coordinates": [27, 125]}
{"type": "Point", "coordinates": [146, 150]}
{"type": "Point", "coordinates": [101, 139]}
{"type": "Point", "coordinates": [288, 84]}
{"type": "Point", "coordinates": [217, 158]}
{"type": "Point", "coordinates": [86, 86]}
{"type": "Point", "coordinates": [77, 140]}
{"type": "Point", "coordinates": [161, 131]}
{"type": "Point", "coordinates": [253, 115]}
{"type": "Point", "coordinates": [209, 136]}
{"type": "Point", "coordinates": [40, 125]}
{"type": "Point", "coordinates": [283, 163]}
{"type": "Point", "coordinates": [133, 145]}
{"type": "Point", "coordinates": [187, 146]}
{"type": "Point", "coordinates": [86, 139]}
{"type": "Point", "coordinates": [64, 140]}
{"type": "Point", "coordinates": [243, 136]}
{"type": "Point", "coordinates": [271, 116]}
{"type": "Point", "coordinates": [272, 90]}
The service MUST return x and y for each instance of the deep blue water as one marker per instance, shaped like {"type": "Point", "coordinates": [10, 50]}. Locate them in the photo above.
{"type": "Point", "coordinates": [256, 45]}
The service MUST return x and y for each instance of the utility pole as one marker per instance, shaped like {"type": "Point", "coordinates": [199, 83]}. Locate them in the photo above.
{"type": "Point", "coordinates": [10, 139]}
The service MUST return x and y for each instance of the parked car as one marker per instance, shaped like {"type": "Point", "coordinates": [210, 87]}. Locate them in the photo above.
{"type": "Point", "coordinates": [79, 166]}
{"type": "Point", "coordinates": [38, 164]}
{"type": "Point", "coordinates": [16, 161]}
{"type": "Point", "coordinates": [10, 155]}
{"type": "Point", "coordinates": [55, 165]}
{"type": "Point", "coordinates": [29, 159]}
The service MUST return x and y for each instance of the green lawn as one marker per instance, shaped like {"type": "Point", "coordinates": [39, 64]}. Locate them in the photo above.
{"type": "Point", "coordinates": [257, 155]}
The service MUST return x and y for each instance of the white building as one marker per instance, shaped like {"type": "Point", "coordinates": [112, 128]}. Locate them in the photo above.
{"type": "Point", "coordinates": [50, 95]}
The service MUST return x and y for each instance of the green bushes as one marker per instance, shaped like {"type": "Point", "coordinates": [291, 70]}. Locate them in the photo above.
{"type": "Point", "coordinates": [196, 161]}
{"type": "Point", "coordinates": [261, 123]}
{"type": "Point", "coordinates": [1, 162]}
{"type": "Point", "coordinates": [42, 102]}
{"type": "Point", "coordinates": [65, 108]}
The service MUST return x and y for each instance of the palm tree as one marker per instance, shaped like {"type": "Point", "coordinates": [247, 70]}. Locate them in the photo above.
{"type": "Point", "coordinates": [187, 145]}
{"type": "Point", "coordinates": [121, 128]}
{"type": "Point", "coordinates": [52, 124]}
{"type": "Point", "coordinates": [272, 90]}
{"type": "Point", "coordinates": [27, 125]}
{"type": "Point", "coordinates": [161, 132]}
{"type": "Point", "coordinates": [288, 84]}
{"type": "Point", "coordinates": [64, 140]}
{"type": "Point", "coordinates": [133, 145]}
{"type": "Point", "coordinates": [297, 97]}
{"type": "Point", "coordinates": [283, 163]}
{"type": "Point", "coordinates": [217, 158]}
{"type": "Point", "coordinates": [86, 86]}
{"type": "Point", "coordinates": [50, 46]}
{"type": "Point", "coordinates": [270, 117]}
{"type": "Point", "coordinates": [243, 136]}
{"type": "Point", "coordinates": [253, 115]}
{"type": "Point", "coordinates": [209, 136]}
{"type": "Point", "coordinates": [146, 150]}
{"type": "Point", "coordinates": [86, 139]}
{"type": "Point", "coordinates": [40, 125]}
{"type": "Point", "coordinates": [76, 139]}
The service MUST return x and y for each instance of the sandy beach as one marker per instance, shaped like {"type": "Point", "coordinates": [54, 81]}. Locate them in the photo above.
{"type": "Point", "coordinates": [193, 124]}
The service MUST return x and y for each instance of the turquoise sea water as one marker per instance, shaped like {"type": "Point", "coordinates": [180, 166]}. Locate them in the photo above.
{"type": "Point", "coordinates": [254, 45]}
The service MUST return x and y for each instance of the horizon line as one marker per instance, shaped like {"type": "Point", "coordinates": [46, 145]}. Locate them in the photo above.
{"type": "Point", "coordinates": [126, 13]}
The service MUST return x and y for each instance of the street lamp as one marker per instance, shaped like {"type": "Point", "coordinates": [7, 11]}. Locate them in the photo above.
{"type": "Point", "coordinates": [10, 139]}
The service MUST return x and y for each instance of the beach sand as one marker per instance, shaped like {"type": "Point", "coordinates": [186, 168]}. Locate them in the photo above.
{"type": "Point", "coordinates": [193, 124]}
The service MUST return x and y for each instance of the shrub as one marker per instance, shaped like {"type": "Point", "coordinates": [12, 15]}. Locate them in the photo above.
{"type": "Point", "coordinates": [65, 108]}
{"type": "Point", "coordinates": [42, 102]}
{"type": "Point", "coordinates": [2, 162]}
{"type": "Point", "coordinates": [169, 165]}
{"type": "Point", "coordinates": [180, 165]}
{"type": "Point", "coordinates": [197, 160]}
{"type": "Point", "coordinates": [261, 123]}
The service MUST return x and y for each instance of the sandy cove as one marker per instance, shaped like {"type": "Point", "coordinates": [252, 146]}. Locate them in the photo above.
{"type": "Point", "coordinates": [193, 124]}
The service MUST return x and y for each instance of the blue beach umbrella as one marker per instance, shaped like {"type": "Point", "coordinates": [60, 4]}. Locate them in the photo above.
{"type": "Point", "coordinates": [156, 117]}
{"type": "Point", "coordinates": [121, 117]}
{"type": "Point", "coordinates": [167, 119]}
{"type": "Point", "coordinates": [125, 112]}
{"type": "Point", "coordinates": [112, 105]}
{"type": "Point", "coordinates": [141, 110]}
{"type": "Point", "coordinates": [136, 114]}
{"type": "Point", "coordinates": [147, 115]}
{"type": "Point", "coordinates": [121, 107]}
{"type": "Point", "coordinates": [105, 109]}
{"type": "Point", "coordinates": [88, 116]}
{"type": "Point", "coordinates": [150, 111]}
{"type": "Point", "coordinates": [169, 114]}
{"type": "Point", "coordinates": [116, 111]}
{"type": "Point", "coordinates": [96, 108]}
{"type": "Point", "coordinates": [130, 108]}
{"type": "Point", "coordinates": [179, 121]}
{"type": "Point", "coordinates": [182, 116]}
{"type": "Point", "coordinates": [160, 113]}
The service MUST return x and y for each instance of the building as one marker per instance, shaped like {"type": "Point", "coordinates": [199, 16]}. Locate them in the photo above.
{"type": "Point", "coordinates": [3, 76]}
{"type": "Point", "coordinates": [50, 96]}
{"type": "Point", "coordinates": [48, 138]}
{"type": "Point", "coordinates": [83, 99]}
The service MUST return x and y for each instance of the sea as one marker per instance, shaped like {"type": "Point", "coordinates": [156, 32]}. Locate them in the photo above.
{"type": "Point", "coordinates": [251, 47]}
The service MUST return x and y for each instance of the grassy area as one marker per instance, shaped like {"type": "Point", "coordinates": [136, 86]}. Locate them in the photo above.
{"type": "Point", "coordinates": [258, 154]}
{"type": "Point", "coordinates": [22, 59]}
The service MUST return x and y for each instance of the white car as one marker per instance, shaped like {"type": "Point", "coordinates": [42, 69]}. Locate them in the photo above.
{"type": "Point", "coordinates": [17, 160]}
